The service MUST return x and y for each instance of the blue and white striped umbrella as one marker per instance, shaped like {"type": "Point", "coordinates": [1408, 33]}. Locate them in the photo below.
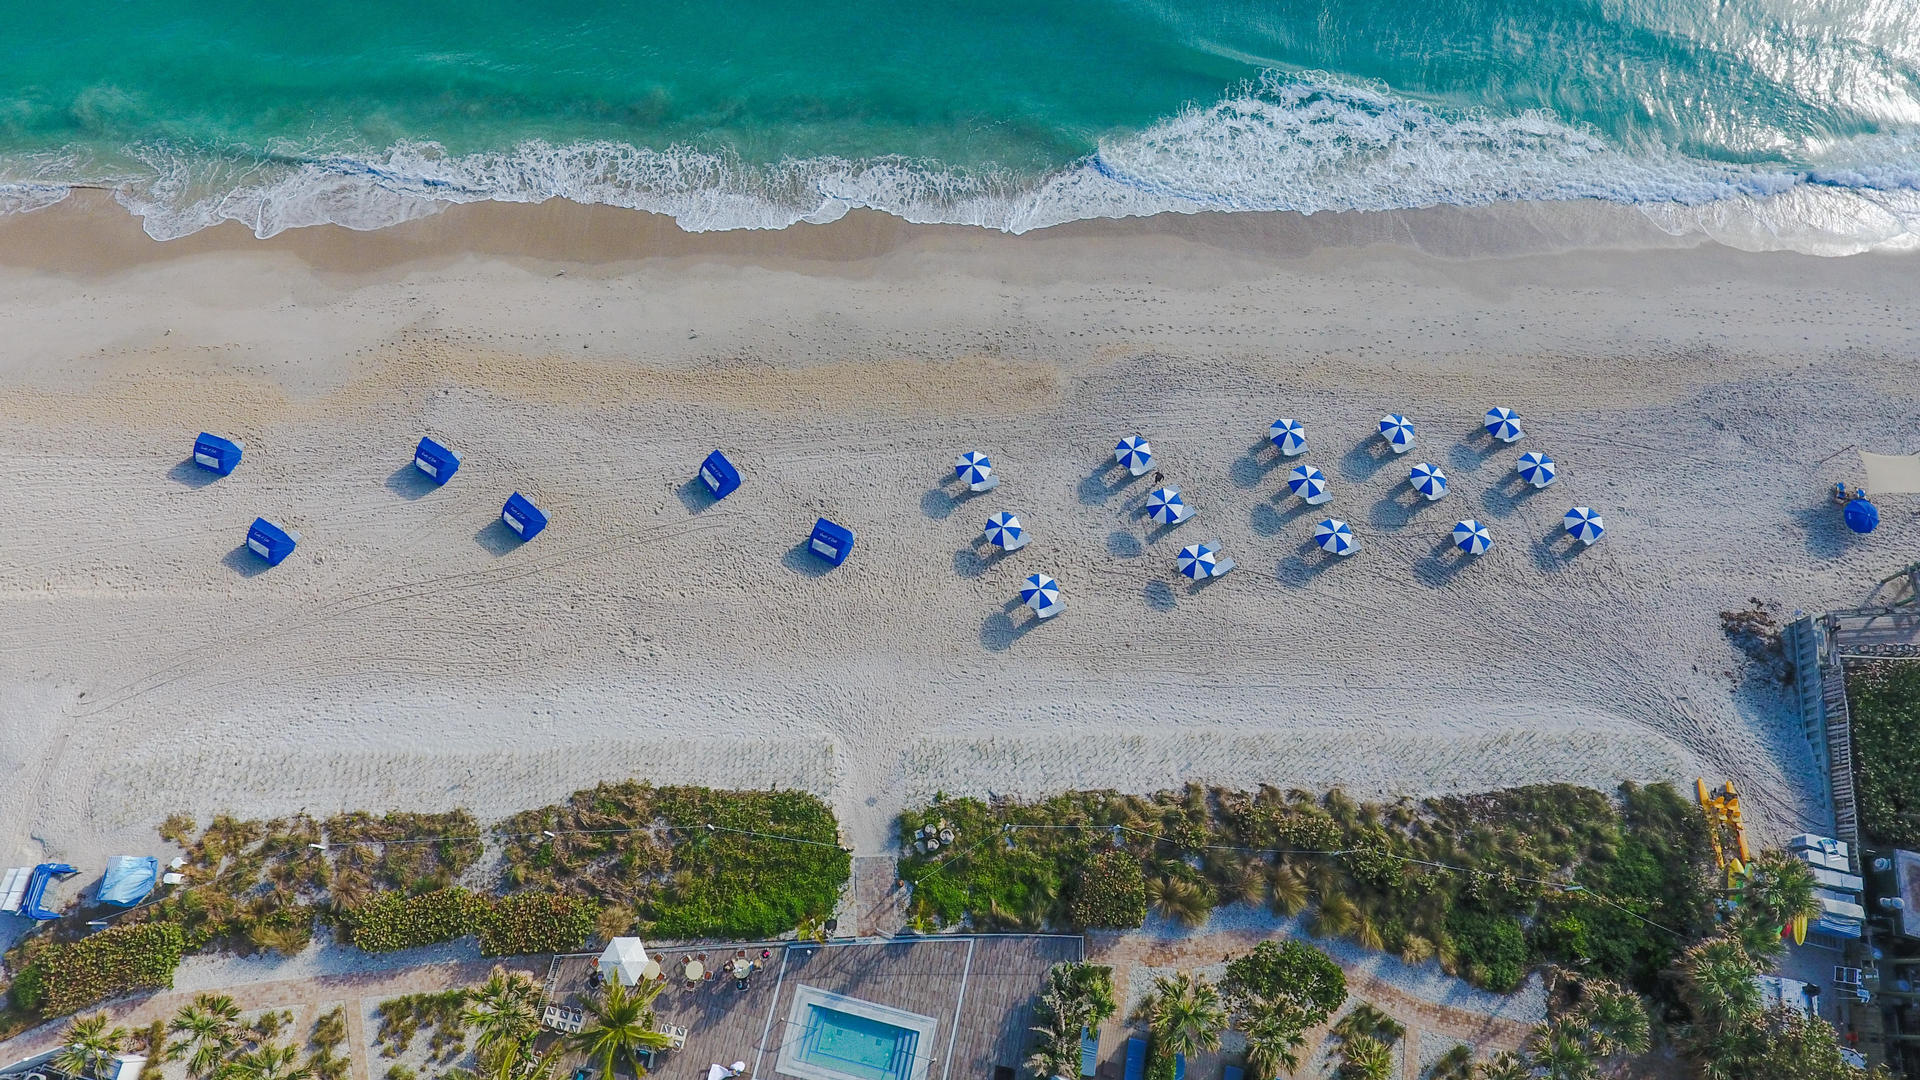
{"type": "Point", "coordinates": [1165, 506]}
{"type": "Point", "coordinates": [1134, 453]}
{"type": "Point", "coordinates": [973, 467]}
{"type": "Point", "coordinates": [1197, 561]}
{"type": "Point", "coordinates": [1004, 529]}
{"type": "Point", "coordinates": [1536, 469]}
{"type": "Point", "coordinates": [1041, 593]}
{"type": "Point", "coordinates": [1504, 424]}
{"type": "Point", "coordinates": [1428, 480]}
{"type": "Point", "coordinates": [1289, 435]}
{"type": "Point", "coordinates": [1584, 524]}
{"type": "Point", "coordinates": [1398, 431]}
{"type": "Point", "coordinates": [1307, 482]}
{"type": "Point", "coordinates": [1333, 535]}
{"type": "Point", "coordinates": [1472, 537]}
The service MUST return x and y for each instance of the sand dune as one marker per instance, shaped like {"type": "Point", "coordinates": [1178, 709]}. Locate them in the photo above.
{"type": "Point", "coordinates": [409, 655]}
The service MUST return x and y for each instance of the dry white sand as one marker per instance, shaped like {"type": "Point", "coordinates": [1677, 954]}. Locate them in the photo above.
{"type": "Point", "coordinates": [407, 656]}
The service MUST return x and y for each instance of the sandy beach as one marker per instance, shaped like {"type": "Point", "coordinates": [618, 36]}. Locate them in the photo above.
{"type": "Point", "coordinates": [408, 656]}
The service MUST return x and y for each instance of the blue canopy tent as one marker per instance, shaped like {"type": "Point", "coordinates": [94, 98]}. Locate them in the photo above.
{"type": "Point", "coordinates": [43, 875]}
{"type": "Point", "coordinates": [270, 541]}
{"type": "Point", "coordinates": [523, 517]}
{"type": "Point", "coordinates": [831, 542]}
{"type": "Point", "coordinates": [435, 460]}
{"type": "Point", "coordinates": [213, 452]}
{"type": "Point", "coordinates": [129, 879]}
{"type": "Point", "coordinates": [721, 478]}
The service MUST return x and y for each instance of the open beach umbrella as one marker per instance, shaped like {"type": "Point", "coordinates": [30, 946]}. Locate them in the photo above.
{"type": "Point", "coordinates": [1289, 435]}
{"type": "Point", "coordinates": [1165, 506]}
{"type": "Point", "coordinates": [1398, 431]}
{"type": "Point", "coordinates": [1041, 593]}
{"type": "Point", "coordinates": [1333, 535]}
{"type": "Point", "coordinates": [973, 467]}
{"type": "Point", "coordinates": [1472, 537]}
{"type": "Point", "coordinates": [1134, 453]}
{"type": "Point", "coordinates": [1309, 483]}
{"type": "Point", "coordinates": [1584, 524]}
{"type": "Point", "coordinates": [1504, 424]}
{"type": "Point", "coordinates": [1197, 561]}
{"type": "Point", "coordinates": [1861, 516]}
{"type": "Point", "coordinates": [1428, 480]}
{"type": "Point", "coordinates": [1536, 469]}
{"type": "Point", "coordinates": [1003, 530]}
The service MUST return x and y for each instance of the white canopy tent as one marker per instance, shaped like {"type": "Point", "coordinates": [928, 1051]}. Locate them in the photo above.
{"type": "Point", "coordinates": [625, 959]}
{"type": "Point", "coordinates": [1891, 474]}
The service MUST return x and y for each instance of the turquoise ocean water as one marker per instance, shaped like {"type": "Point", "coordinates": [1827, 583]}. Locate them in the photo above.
{"type": "Point", "coordinates": [1795, 123]}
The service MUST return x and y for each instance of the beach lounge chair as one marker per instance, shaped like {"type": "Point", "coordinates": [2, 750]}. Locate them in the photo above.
{"type": "Point", "coordinates": [215, 453]}
{"type": "Point", "coordinates": [270, 541]}
{"type": "Point", "coordinates": [831, 542]}
{"type": "Point", "coordinates": [1089, 1052]}
{"type": "Point", "coordinates": [435, 460]}
{"type": "Point", "coordinates": [522, 516]}
{"type": "Point", "coordinates": [1233, 1072]}
{"type": "Point", "coordinates": [721, 478]}
{"type": "Point", "coordinates": [1136, 1059]}
{"type": "Point", "coordinates": [1221, 564]}
{"type": "Point", "coordinates": [1179, 1067]}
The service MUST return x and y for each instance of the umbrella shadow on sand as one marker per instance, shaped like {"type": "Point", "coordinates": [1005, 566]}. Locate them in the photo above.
{"type": "Point", "coordinates": [1365, 458]}
{"type": "Point", "coordinates": [1105, 481]}
{"type": "Point", "coordinates": [1268, 521]}
{"type": "Point", "coordinates": [1004, 627]}
{"type": "Point", "coordinates": [1557, 549]}
{"type": "Point", "coordinates": [1122, 544]}
{"type": "Point", "coordinates": [1250, 468]}
{"type": "Point", "coordinates": [1158, 595]}
{"type": "Point", "coordinates": [1399, 507]}
{"type": "Point", "coordinates": [973, 562]}
{"type": "Point", "coordinates": [1442, 563]}
{"type": "Point", "coordinates": [1505, 498]}
{"type": "Point", "coordinates": [1473, 448]}
{"type": "Point", "coordinates": [1826, 532]}
{"type": "Point", "coordinates": [1298, 570]}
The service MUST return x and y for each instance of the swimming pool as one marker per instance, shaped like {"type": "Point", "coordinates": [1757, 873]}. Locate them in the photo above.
{"type": "Point", "coordinates": [833, 1037]}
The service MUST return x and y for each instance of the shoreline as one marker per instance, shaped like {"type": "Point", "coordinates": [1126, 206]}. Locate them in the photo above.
{"type": "Point", "coordinates": [588, 357]}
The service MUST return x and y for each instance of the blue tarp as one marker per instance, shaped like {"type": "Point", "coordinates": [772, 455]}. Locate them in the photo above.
{"type": "Point", "coordinates": [270, 541]}
{"type": "Point", "coordinates": [524, 518]}
{"type": "Point", "coordinates": [216, 453]}
{"type": "Point", "coordinates": [1136, 1059]}
{"type": "Point", "coordinates": [129, 879]}
{"type": "Point", "coordinates": [43, 875]}
{"type": "Point", "coordinates": [435, 460]}
{"type": "Point", "coordinates": [719, 475]}
{"type": "Point", "coordinates": [831, 542]}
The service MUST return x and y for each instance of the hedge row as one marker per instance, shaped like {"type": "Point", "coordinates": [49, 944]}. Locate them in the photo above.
{"type": "Point", "coordinates": [512, 926]}
{"type": "Point", "coordinates": [70, 976]}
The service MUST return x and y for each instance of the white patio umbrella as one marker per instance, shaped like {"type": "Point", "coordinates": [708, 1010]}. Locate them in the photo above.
{"type": "Point", "coordinates": [1134, 452]}
{"type": "Point", "coordinates": [1428, 480]}
{"type": "Point", "coordinates": [1472, 537]}
{"type": "Point", "coordinates": [1584, 524]}
{"type": "Point", "coordinates": [1333, 535]}
{"type": "Point", "coordinates": [625, 958]}
{"type": "Point", "coordinates": [1536, 469]}
{"type": "Point", "coordinates": [1504, 424]}
{"type": "Point", "coordinates": [1398, 431]}
{"type": "Point", "coordinates": [1042, 594]}
{"type": "Point", "coordinates": [1309, 483]}
{"type": "Point", "coordinates": [1289, 435]}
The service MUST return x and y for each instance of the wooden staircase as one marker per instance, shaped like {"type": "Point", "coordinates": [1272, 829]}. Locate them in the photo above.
{"type": "Point", "coordinates": [1833, 699]}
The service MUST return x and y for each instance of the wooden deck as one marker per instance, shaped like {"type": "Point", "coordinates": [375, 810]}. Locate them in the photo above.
{"type": "Point", "coordinates": [980, 990]}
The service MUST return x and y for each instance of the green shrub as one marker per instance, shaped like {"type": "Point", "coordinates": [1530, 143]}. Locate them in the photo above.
{"type": "Point", "coordinates": [1883, 699]}
{"type": "Point", "coordinates": [1492, 948]}
{"type": "Point", "coordinates": [69, 976]}
{"type": "Point", "coordinates": [1292, 987]}
{"type": "Point", "coordinates": [1111, 893]}
{"type": "Point", "coordinates": [536, 923]}
{"type": "Point", "coordinates": [395, 921]}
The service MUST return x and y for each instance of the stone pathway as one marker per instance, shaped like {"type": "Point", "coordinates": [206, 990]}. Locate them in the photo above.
{"type": "Point", "coordinates": [882, 908]}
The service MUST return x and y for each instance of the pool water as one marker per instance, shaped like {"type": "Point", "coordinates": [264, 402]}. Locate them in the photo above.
{"type": "Point", "coordinates": [858, 1046]}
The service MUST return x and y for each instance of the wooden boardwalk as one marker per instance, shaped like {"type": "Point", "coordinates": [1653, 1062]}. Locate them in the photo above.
{"type": "Point", "coordinates": [979, 991]}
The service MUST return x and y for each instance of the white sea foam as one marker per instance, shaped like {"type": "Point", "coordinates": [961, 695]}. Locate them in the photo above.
{"type": "Point", "coordinates": [1305, 144]}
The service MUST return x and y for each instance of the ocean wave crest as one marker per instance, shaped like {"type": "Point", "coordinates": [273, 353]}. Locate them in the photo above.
{"type": "Point", "coordinates": [1304, 143]}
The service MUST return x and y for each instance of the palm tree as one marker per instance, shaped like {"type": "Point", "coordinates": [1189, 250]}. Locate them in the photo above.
{"type": "Point", "coordinates": [1778, 889]}
{"type": "Point", "coordinates": [1059, 1030]}
{"type": "Point", "coordinates": [620, 1025]}
{"type": "Point", "coordinates": [1505, 1065]}
{"type": "Point", "coordinates": [269, 1062]}
{"type": "Point", "coordinates": [1717, 986]}
{"type": "Point", "coordinates": [1559, 1053]}
{"type": "Point", "coordinates": [1180, 899]}
{"type": "Point", "coordinates": [1185, 1014]}
{"type": "Point", "coordinates": [1455, 1064]}
{"type": "Point", "coordinates": [1366, 1058]}
{"type": "Point", "coordinates": [89, 1045]}
{"type": "Point", "coordinates": [504, 1012]}
{"type": "Point", "coordinates": [207, 1029]}
{"type": "Point", "coordinates": [1273, 1048]}
{"type": "Point", "coordinates": [1287, 890]}
{"type": "Point", "coordinates": [1615, 1020]}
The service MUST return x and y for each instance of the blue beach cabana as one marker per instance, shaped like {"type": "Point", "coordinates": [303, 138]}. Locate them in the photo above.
{"type": "Point", "coordinates": [721, 478]}
{"type": "Point", "coordinates": [524, 518]}
{"type": "Point", "coordinates": [831, 542]}
{"type": "Point", "coordinates": [435, 460]}
{"type": "Point", "coordinates": [270, 541]}
{"type": "Point", "coordinates": [213, 452]}
{"type": "Point", "coordinates": [129, 879]}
